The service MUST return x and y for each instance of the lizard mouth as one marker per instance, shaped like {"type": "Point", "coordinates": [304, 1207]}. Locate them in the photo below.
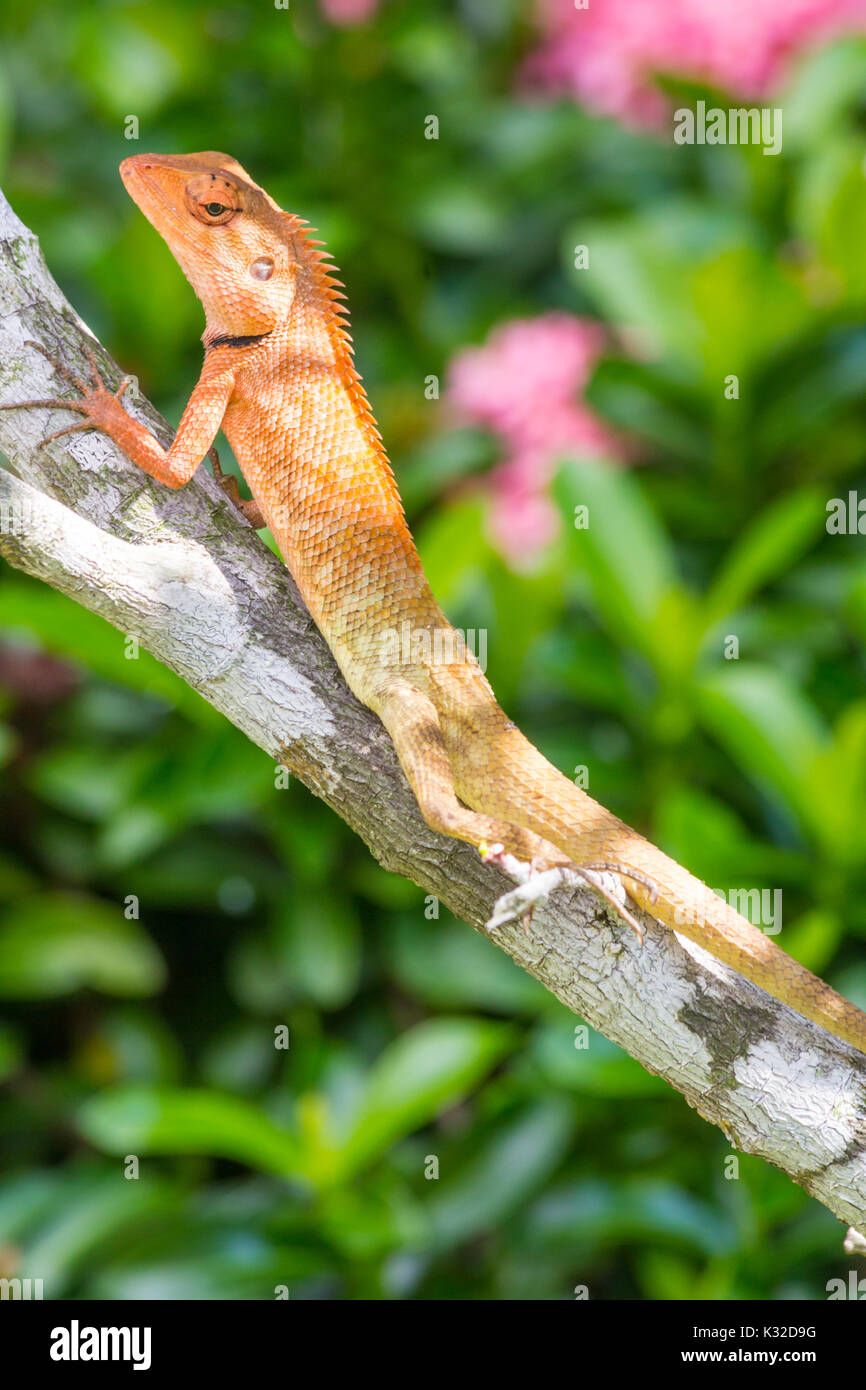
{"type": "Point", "coordinates": [134, 166]}
{"type": "Point", "coordinates": [144, 189]}
{"type": "Point", "coordinates": [156, 186]}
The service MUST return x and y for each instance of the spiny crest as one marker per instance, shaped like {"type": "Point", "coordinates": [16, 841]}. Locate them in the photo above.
{"type": "Point", "coordinates": [332, 290]}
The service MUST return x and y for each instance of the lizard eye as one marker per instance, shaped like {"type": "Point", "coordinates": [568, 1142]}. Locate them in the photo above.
{"type": "Point", "coordinates": [212, 201]}
{"type": "Point", "coordinates": [214, 214]}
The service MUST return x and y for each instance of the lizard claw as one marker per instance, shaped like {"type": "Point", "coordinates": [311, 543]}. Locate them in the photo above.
{"type": "Point", "coordinates": [92, 394]}
{"type": "Point", "coordinates": [624, 871]}
{"type": "Point", "coordinates": [61, 368]}
{"type": "Point", "coordinates": [67, 429]}
{"type": "Point", "coordinates": [534, 887]}
{"type": "Point", "coordinates": [591, 874]}
{"type": "Point", "coordinates": [515, 906]}
{"type": "Point", "coordinates": [491, 854]}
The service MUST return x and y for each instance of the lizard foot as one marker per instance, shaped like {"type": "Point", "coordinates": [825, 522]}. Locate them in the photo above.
{"type": "Point", "coordinates": [229, 484]}
{"type": "Point", "coordinates": [534, 887]}
{"type": "Point", "coordinates": [96, 402]}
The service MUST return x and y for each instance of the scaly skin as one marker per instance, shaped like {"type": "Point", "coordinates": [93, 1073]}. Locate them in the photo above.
{"type": "Point", "coordinates": [278, 378]}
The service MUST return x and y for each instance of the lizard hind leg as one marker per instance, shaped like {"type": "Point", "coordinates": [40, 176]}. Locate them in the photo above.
{"type": "Point", "coordinates": [498, 772]}
{"type": "Point", "coordinates": [413, 724]}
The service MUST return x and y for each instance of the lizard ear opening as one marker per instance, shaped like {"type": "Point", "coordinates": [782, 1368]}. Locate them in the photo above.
{"type": "Point", "coordinates": [262, 268]}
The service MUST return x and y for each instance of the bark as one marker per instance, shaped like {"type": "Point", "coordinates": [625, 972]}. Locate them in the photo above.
{"type": "Point", "coordinates": [186, 576]}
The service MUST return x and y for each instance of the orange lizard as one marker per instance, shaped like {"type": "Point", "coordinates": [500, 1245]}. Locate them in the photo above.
{"type": "Point", "coordinates": [278, 378]}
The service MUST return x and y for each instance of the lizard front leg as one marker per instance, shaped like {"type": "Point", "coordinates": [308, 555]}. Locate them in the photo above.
{"type": "Point", "coordinates": [103, 410]}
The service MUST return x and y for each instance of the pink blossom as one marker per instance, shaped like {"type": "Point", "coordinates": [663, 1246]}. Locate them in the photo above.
{"type": "Point", "coordinates": [606, 55]}
{"type": "Point", "coordinates": [524, 384]}
{"type": "Point", "coordinates": [346, 12]}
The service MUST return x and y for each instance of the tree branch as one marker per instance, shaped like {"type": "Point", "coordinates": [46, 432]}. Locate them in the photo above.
{"type": "Point", "coordinates": [181, 572]}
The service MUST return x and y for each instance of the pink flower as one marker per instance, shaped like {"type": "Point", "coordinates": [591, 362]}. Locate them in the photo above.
{"type": "Point", "coordinates": [524, 384]}
{"type": "Point", "coordinates": [606, 55]}
{"type": "Point", "coordinates": [346, 12]}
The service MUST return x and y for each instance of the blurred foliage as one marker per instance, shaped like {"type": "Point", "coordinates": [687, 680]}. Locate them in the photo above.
{"type": "Point", "coordinates": [164, 912]}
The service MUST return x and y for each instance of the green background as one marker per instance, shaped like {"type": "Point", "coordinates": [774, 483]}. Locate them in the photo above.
{"type": "Point", "coordinates": [410, 1037]}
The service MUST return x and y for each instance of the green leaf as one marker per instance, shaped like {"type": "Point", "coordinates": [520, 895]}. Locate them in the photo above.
{"type": "Point", "coordinates": [367, 1221]}
{"type": "Point", "coordinates": [8, 743]}
{"type": "Point", "coordinates": [748, 305]}
{"type": "Point", "coordinates": [454, 549]}
{"type": "Point", "coordinates": [168, 1120]}
{"type": "Point", "coordinates": [838, 787]}
{"type": "Point", "coordinates": [503, 1172]}
{"type": "Point", "coordinates": [830, 212]}
{"type": "Point", "coordinates": [629, 1212]}
{"type": "Point", "coordinates": [94, 1208]}
{"type": "Point", "coordinates": [131, 1044]}
{"type": "Point", "coordinates": [774, 542]}
{"type": "Point", "coordinates": [53, 944]}
{"type": "Point", "coordinates": [813, 938]}
{"type": "Point", "coordinates": [824, 92]}
{"type": "Point", "coordinates": [449, 967]}
{"type": "Point", "coordinates": [769, 727]}
{"type": "Point", "coordinates": [460, 218]}
{"type": "Point", "coordinates": [66, 629]}
{"type": "Point", "coordinates": [433, 1065]}
{"type": "Point", "coordinates": [636, 397]}
{"type": "Point", "coordinates": [240, 1058]}
{"type": "Point", "coordinates": [601, 1069]}
{"type": "Point", "coordinates": [640, 271]}
{"type": "Point", "coordinates": [11, 1051]}
{"type": "Point", "coordinates": [709, 838]}
{"type": "Point", "coordinates": [319, 944]}
{"type": "Point", "coordinates": [29, 1199]}
{"type": "Point", "coordinates": [628, 559]}
{"type": "Point", "coordinates": [134, 63]}
{"type": "Point", "coordinates": [666, 1276]}
{"type": "Point", "coordinates": [15, 880]}
{"type": "Point", "coordinates": [698, 285]}
{"type": "Point", "coordinates": [81, 781]}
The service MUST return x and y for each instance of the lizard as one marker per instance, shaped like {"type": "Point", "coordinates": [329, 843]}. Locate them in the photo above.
{"type": "Point", "coordinates": [279, 379]}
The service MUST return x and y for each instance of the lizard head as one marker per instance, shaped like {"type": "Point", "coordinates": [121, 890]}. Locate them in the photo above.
{"type": "Point", "coordinates": [229, 238]}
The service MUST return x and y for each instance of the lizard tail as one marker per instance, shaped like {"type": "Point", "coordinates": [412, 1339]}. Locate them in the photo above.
{"type": "Point", "coordinates": [521, 786]}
